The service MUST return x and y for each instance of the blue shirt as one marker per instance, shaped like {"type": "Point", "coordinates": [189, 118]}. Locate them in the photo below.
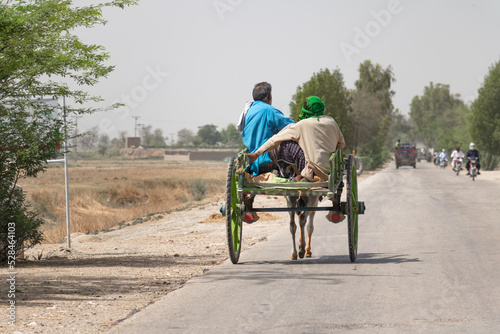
{"type": "Point", "coordinates": [262, 121]}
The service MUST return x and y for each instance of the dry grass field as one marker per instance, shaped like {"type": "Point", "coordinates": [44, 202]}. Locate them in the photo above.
{"type": "Point", "coordinates": [104, 194]}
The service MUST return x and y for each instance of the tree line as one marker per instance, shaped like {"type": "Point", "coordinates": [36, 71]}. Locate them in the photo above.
{"type": "Point", "coordinates": [438, 119]}
{"type": "Point", "coordinates": [442, 120]}
{"type": "Point", "coordinates": [207, 136]}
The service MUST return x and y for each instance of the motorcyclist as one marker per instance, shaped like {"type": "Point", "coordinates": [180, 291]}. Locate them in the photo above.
{"type": "Point", "coordinates": [443, 156]}
{"type": "Point", "coordinates": [472, 153]}
{"type": "Point", "coordinates": [457, 154]}
{"type": "Point", "coordinates": [435, 158]}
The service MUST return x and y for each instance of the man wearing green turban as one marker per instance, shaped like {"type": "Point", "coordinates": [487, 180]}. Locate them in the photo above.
{"type": "Point", "coordinates": [307, 144]}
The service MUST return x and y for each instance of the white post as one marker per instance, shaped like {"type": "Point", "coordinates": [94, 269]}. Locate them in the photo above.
{"type": "Point", "coordinates": [68, 229]}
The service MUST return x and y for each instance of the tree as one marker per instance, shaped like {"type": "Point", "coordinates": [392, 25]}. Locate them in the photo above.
{"type": "Point", "coordinates": [230, 136]}
{"type": "Point", "coordinates": [372, 112]}
{"type": "Point", "coordinates": [366, 111]}
{"type": "Point", "coordinates": [37, 52]}
{"type": "Point", "coordinates": [436, 113]}
{"type": "Point", "coordinates": [146, 133]}
{"type": "Point", "coordinates": [209, 135]}
{"type": "Point", "coordinates": [185, 137]}
{"type": "Point", "coordinates": [117, 143]}
{"type": "Point", "coordinates": [90, 138]}
{"type": "Point", "coordinates": [401, 128]}
{"type": "Point", "coordinates": [122, 137]}
{"type": "Point", "coordinates": [329, 86]}
{"type": "Point", "coordinates": [103, 145]}
{"type": "Point", "coordinates": [377, 80]}
{"type": "Point", "coordinates": [485, 117]}
{"type": "Point", "coordinates": [152, 138]}
{"type": "Point", "coordinates": [159, 139]}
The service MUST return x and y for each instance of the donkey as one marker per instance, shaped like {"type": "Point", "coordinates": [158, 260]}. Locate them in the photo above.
{"type": "Point", "coordinates": [301, 202]}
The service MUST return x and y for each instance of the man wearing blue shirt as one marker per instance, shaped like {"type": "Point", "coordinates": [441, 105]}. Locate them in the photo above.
{"type": "Point", "coordinates": [259, 122]}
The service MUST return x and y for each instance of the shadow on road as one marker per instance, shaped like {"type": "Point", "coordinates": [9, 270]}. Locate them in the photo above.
{"type": "Point", "coordinates": [324, 268]}
{"type": "Point", "coordinates": [381, 258]}
{"type": "Point", "coordinates": [368, 258]}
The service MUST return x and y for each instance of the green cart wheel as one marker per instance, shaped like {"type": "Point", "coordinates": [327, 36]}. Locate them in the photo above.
{"type": "Point", "coordinates": [352, 208]}
{"type": "Point", "coordinates": [233, 213]}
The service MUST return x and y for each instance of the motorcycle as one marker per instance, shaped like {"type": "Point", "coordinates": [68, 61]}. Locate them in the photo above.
{"type": "Point", "coordinates": [443, 162]}
{"type": "Point", "coordinates": [458, 165]}
{"type": "Point", "coordinates": [473, 168]}
{"type": "Point", "coordinates": [436, 161]}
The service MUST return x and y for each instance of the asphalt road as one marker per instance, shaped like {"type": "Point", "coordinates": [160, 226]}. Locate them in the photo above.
{"type": "Point", "coordinates": [428, 262]}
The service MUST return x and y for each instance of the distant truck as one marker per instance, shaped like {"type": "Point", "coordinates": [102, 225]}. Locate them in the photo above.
{"type": "Point", "coordinates": [406, 155]}
{"type": "Point", "coordinates": [424, 154]}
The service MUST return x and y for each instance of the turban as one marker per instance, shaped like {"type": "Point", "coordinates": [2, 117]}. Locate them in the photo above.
{"type": "Point", "coordinates": [313, 106]}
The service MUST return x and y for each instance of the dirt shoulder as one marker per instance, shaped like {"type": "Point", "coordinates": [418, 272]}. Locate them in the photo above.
{"type": "Point", "coordinates": [105, 278]}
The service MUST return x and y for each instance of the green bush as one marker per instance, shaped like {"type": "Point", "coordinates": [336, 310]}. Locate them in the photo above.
{"type": "Point", "coordinates": [374, 159]}
{"type": "Point", "coordinates": [18, 225]}
{"type": "Point", "coordinates": [199, 189]}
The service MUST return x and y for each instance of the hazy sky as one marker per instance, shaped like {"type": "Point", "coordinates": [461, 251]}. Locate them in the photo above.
{"type": "Point", "coordinates": [188, 63]}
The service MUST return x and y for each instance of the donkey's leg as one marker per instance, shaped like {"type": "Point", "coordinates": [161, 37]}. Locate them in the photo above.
{"type": "Point", "coordinates": [291, 202]}
{"type": "Point", "coordinates": [310, 226]}
{"type": "Point", "coordinates": [293, 229]}
{"type": "Point", "coordinates": [303, 202]}
{"type": "Point", "coordinates": [302, 223]}
{"type": "Point", "coordinates": [310, 229]}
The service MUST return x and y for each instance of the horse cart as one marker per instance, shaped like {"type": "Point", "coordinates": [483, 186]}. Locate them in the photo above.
{"type": "Point", "coordinates": [238, 186]}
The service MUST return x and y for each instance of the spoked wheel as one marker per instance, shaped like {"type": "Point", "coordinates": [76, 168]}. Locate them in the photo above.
{"type": "Point", "coordinates": [352, 208]}
{"type": "Point", "coordinates": [233, 215]}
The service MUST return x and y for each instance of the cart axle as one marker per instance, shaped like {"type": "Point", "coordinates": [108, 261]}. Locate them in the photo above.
{"type": "Point", "coordinates": [292, 209]}
{"type": "Point", "coordinates": [361, 210]}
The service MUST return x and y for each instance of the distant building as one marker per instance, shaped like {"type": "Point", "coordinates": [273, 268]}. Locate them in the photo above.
{"type": "Point", "coordinates": [132, 142]}
{"type": "Point", "coordinates": [199, 154]}
{"type": "Point", "coordinates": [177, 155]}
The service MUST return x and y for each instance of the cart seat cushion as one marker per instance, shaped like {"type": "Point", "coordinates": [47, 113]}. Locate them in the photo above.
{"type": "Point", "coordinates": [270, 177]}
{"type": "Point", "coordinates": [264, 177]}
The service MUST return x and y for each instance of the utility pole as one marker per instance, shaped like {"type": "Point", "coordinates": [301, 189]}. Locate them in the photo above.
{"type": "Point", "coordinates": [135, 127]}
{"type": "Point", "coordinates": [75, 143]}
{"type": "Point", "coordinates": [139, 127]}
{"type": "Point", "coordinates": [66, 176]}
